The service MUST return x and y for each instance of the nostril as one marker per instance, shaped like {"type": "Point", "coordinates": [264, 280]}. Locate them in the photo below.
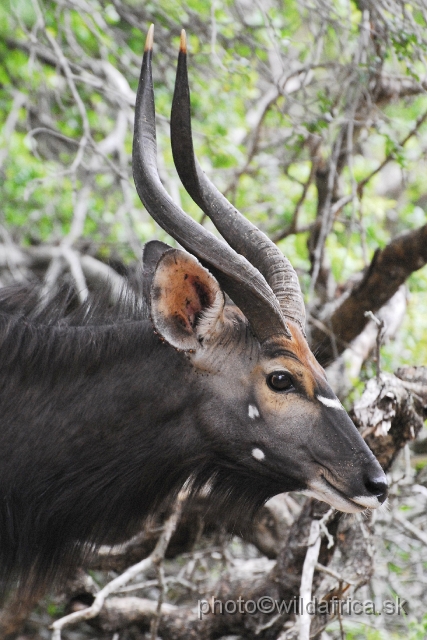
{"type": "Point", "coordinates": [377, 486]}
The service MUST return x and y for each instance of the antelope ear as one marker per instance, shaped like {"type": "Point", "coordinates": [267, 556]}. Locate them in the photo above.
{"type": "Point", "coordinates": [187, 302]}
{"type": "Point", "coordinates": [151, 255]}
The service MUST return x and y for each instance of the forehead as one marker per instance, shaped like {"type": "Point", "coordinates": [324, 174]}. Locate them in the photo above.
{"type": "Point", "coordinates": [233, 348]}
{"type": "Point", "coordinates": [236, 349]}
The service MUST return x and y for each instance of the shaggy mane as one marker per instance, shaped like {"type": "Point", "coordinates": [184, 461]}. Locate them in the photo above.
{"type": "Point", "coordinates": [63, 308]}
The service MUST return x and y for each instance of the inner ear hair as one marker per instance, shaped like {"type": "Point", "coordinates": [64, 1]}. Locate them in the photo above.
{"type": "Point", "coordinates": [186, 300]}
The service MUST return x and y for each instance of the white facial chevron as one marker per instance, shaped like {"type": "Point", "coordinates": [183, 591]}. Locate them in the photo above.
{"type": "Point", "coordinates": [334, 403]}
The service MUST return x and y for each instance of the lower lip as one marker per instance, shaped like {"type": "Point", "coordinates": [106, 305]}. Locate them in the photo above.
{"type": "Point", "coordinates": [349, 501]}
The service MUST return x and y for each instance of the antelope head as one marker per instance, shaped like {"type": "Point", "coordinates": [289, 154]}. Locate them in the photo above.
{"type": "Point", "coordinates": [266, 414]}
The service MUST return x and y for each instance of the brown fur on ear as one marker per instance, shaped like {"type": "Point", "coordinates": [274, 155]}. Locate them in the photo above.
{"type": "Point", "coordinates": [186, 300]}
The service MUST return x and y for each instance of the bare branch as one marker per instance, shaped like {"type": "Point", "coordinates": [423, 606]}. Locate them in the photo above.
{"type": "Point", "coordinates": [112, 587]}
{"type": "Point", "coordinates": [389, 269]}
{"type": "Point", "coordinates": [307, 579]}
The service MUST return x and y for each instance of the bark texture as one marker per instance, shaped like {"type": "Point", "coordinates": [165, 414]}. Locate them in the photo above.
{"type": "Point", "coordinates": [389, 269]}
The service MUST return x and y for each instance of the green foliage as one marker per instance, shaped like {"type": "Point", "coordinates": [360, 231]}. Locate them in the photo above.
{"type": "Point", "coordinates": [234, 60]}
{"type": "Point", "coordinates": [364, 631]}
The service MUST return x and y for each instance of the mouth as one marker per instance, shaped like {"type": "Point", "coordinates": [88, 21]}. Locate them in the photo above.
{"type": "Point", "coordinates": [325, 491]}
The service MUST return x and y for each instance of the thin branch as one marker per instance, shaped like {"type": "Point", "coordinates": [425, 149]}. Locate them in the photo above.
{"type": "Point", "coordinates": [115, 585]}
{"type": "Point", "coordinates": [309, 566]}
{"type": "Point", "coordinates": [325, 215]}
{"type": "Point", "coordinates": [333, 574]}
{"type": "Point", "coordinates": [292, 228]}
{"type": "Point", "coordinates": [411, 528]}
{"type": "Point", "coordinates": [361, 185]}
{"type": "Point", "coordinates": [380, 335]}
{"type": "Point", "coordinates": [19, 100]}
{"type": "Point", "coordinates": [389, 269]}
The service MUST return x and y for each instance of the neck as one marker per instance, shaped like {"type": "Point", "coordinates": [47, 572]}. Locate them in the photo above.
{"type": "Point", "coordinates": [102, 432]}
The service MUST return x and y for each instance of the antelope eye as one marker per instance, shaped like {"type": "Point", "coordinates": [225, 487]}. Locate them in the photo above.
{"type": "Point", "coordinates": [280, 381]}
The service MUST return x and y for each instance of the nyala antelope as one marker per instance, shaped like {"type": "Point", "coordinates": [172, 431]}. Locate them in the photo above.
{"type": "Point", "coordinates": [211, 386]}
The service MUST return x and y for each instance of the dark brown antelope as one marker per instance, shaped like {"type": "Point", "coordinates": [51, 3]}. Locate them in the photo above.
{"type": "Point", "coordinates": [103, 420]}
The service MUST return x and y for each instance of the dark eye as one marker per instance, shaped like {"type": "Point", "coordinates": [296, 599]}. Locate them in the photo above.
{"type": "Point", "coordinates": [280, 381]}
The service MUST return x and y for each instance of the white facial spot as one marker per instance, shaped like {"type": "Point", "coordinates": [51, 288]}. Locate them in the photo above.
{"type": "Point", "coordinates": [258, 454]}
{"type": "Point", "coordinates": [253, 412]}
{"type": "Point", "coordinates": [334, 403]}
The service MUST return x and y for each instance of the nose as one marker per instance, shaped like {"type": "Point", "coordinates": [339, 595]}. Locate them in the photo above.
{"type": "Point", "coordinates": [378, 487]}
